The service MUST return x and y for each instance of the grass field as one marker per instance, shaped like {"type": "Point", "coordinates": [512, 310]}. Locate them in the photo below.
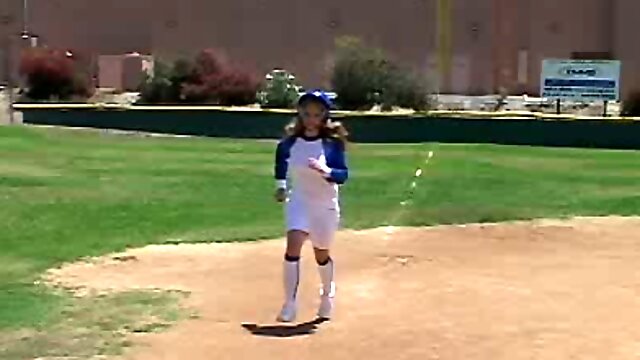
{"type": "Point", "coordinates": [72, 194]}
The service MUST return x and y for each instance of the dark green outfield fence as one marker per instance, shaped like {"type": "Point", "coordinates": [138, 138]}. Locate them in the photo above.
{"type": "Point", "coordinates": [597, 133]}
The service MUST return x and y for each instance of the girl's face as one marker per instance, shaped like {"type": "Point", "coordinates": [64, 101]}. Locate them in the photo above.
{"type": "Point", "coordinates": [312, 115]}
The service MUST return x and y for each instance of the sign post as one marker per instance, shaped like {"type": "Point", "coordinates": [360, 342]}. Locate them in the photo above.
{"type": "Point", "coordinates": [581, 80]}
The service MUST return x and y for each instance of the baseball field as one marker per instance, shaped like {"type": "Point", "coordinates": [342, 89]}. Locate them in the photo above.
{"type": "Point", "coordinates": [139, 247]}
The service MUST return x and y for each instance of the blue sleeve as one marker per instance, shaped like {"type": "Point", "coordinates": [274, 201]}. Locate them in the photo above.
{"type": "Point", "coordinates": [338, 164]}
{"type": "Point", "coordinates": [282, 158]}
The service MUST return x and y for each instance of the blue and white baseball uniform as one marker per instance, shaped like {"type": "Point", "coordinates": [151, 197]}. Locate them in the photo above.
{"type": "Point", "coordinates": [313, 199]}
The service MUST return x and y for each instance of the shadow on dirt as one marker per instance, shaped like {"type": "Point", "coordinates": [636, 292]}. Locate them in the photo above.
{"type": "Point", "coordinates": [302, 329]}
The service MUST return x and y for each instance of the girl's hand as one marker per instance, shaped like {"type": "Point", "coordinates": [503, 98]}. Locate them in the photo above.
{"type": "Point", "coordinates": [318, 166]}
{"type": "Point", "coordinates": [281, 195]}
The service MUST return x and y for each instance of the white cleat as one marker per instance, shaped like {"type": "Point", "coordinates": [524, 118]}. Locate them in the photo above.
{"type": "Point", "coordinates": [288, 313]}
{"type": "Point", "coordinates": [326, 303]}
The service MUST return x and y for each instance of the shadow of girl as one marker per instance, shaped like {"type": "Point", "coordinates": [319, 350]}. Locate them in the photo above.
{"type": "Point", "coordinates": [307, 328]}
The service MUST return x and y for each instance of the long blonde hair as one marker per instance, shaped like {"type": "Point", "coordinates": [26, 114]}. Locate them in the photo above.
{"type": "Point", "coordinates": [330, 129]}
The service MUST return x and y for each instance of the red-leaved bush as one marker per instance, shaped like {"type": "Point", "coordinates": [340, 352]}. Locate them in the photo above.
{"type": "Point", "coordinates": [52, 74]}
{"type": "Point", "coordinates": [209, 62]}
{"type": "Point", "coordinates": [237, 87]}
{"type": "Point", "coordinates": [215, 80]}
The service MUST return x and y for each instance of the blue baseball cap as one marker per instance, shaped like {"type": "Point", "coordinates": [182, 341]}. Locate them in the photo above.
{"type": "Point", "coordinates": [317, 95]}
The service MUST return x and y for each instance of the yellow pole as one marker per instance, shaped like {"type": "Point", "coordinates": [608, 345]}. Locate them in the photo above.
{"type": "Point", "coordinates": [444, 42]}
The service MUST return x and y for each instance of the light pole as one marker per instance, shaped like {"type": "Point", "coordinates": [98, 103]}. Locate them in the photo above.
{"type": "Point", "coordinates": [25, 19]}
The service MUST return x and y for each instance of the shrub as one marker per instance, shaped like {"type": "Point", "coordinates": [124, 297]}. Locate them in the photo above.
{"type": "Point", "coordinates": [167, 83]}
{"type": "Point", "coordinates": [631, 105]}
{"type": "Point", "coordinates": [209, 63]}
{"type": "Point", "coordinates": [193, 93]}
{"type": "Point", "coordinates": [208, 79]}
{"type": "Point", "coordinates": [181, 73]}
{"type": "Point", "coordinates": [158, 87]}
{"type": "Point", "coordinates": [403, 88]}
{"type": "Point", "coordinates": [214, 80]}
{"type": "Point", "coordinates": [235, 87]}
{"type": "Point", "coordinates": [364, 77]}
{"type": "Point", "coordinates": [358, 74]}
{"type": "Point", "coordinates": [53, 75]}
{"type": "Point", "coordinates": [280, 90]}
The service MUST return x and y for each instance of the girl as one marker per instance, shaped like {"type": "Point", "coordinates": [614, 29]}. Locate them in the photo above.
{"type": "Point", "coordinates": [313, 153]}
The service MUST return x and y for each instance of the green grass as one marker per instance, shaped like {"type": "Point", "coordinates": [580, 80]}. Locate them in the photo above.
{"type": "Point", "coordinates": [98, 325]}
{"type": "Point", "coordinates": [71, 194]}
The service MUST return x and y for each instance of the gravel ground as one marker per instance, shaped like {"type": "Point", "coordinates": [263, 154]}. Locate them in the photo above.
{"type": "Point", "coordinates": [545, 289]}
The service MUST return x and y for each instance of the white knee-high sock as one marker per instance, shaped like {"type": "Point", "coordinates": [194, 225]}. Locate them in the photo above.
{"type": "Point", "coordinates": [291, 278]}
{"type": "Point", "coordinates": [326, 276]}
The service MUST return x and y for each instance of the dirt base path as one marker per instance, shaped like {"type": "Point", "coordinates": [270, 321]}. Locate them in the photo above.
{"type": "Point", "coordinates": [531, 290]}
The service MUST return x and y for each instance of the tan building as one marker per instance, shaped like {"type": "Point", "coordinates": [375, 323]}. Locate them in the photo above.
{"type": "Point", "coordinates": [493, 43]}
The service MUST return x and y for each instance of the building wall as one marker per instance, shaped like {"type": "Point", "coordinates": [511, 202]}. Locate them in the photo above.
{"type": "Point", "coordinates": [295, 34]}
{"type": "Point", "coordinates": [87, 27]}
{"type": "Point", "coordinates": [10, 27]}
{"type": "Point", "coordinates": [106, 27]}
{"type": "Point", "coordinates": [495, 43]}
{"type": "Point", "coordinates": [626, 45]}
{"type": "Point", "coordinates": [300, 34]}
{"type": "Point", "coordinates": [473, 29]}
{"type": "Point", "coordinates": [560, 28]}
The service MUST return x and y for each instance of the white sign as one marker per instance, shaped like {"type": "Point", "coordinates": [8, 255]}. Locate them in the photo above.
{"type": "Point", "coordinates": [581, 80]}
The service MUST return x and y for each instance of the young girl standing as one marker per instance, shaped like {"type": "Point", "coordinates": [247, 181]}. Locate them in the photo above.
{"type": "Point", "coordinates": [313, 156]}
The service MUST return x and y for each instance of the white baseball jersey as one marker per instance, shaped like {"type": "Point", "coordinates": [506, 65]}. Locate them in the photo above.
{"type": "Point", "coordinates": [313, 202]}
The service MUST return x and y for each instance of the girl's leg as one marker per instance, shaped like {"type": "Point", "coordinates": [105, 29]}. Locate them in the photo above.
{"type": "Point", "coordinates": [295, 241]}
{"type": "Point", "coordinates": [323, 227]}
{"type": "Point", "coordinates": [325, 268]}
{"type": "Point", "coordinates": [323, 256]}
{"type": "Point", "coordinates": [328, 290]}
{"type": "Point", "coordinates": [291, 273]}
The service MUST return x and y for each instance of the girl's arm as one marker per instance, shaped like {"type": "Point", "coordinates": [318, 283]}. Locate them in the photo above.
{"type": "Point", "coordinates": [336, 169]}
{"type": "Point", "coordinates": [339, 170]}
{"type": "Point", "coordinates": [282, 163]}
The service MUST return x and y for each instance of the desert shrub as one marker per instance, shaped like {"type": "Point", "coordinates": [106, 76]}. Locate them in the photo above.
{"type": "Point", "coordinates": [363, 77]}
{"type": "Point", "coordinates": [631, 105]}
{"type": "Point", "coordinates": [406, 89]}
{"type": "Point", "coordinates": [53, 75]}
{"type": "Point", "coordinates": [280, 90]}
{"type": "Point", "coordinates": [358, 74]}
